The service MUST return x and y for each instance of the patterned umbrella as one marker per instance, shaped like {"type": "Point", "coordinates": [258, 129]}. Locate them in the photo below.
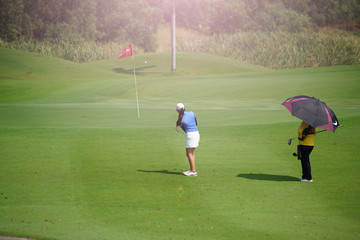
{"type": "Point", "coordinates": [312, 111]}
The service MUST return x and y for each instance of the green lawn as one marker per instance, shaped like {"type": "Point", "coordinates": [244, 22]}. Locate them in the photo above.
{"type": "Point", "coordinates": [77, 163]}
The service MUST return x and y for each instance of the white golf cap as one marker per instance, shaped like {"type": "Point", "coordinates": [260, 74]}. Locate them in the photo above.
{"type": "Point", "coordinates": [179, 106]}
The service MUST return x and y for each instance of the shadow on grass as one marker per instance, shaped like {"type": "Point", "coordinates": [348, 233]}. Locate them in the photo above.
{"type": "Point", "coordinates": [139, 70]}
{"type": "Point", "coordinates": [162, 172]}
{"type": "Point", "coordinates": [268, 177]}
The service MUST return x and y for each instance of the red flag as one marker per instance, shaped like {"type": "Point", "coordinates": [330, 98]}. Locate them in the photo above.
{"type": "Point", "coordinates": [126, 52]}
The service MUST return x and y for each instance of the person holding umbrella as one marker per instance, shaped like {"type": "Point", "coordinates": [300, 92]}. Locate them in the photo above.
{"type": "Point", "coordinates": [306, 135]}
{"type": "Point", "coordinates": [314, 114]}
{"type": "Point", "coordinates": [188, 122]}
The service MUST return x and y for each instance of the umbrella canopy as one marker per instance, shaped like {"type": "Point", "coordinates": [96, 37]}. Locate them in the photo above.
{"type": "Point", "coordinates": [312, 111]}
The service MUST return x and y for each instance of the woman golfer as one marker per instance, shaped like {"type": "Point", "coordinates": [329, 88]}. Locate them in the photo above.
{"type": "Point", "coordinates": [187, 121]}
{"type": "Point", "coordinates": [306, 135]}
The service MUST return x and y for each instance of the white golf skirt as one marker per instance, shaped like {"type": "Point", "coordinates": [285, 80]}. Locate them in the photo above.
{"type": "Point", "coordinates": [192, 139]}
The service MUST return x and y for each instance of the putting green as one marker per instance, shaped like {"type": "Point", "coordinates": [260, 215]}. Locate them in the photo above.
{"type": "Point", "coordinates": [77, 163]}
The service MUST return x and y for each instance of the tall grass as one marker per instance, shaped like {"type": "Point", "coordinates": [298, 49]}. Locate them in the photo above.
{"type": "Point", "coordinates": [277, 50]}
{"type": "Point", "coordinates": [82, 51]}
{"type": "Point", "coordinates": [280, 50]}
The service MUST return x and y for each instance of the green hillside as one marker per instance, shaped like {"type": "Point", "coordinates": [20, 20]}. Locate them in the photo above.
{"type": "Point", "coordinates": [77, 163]}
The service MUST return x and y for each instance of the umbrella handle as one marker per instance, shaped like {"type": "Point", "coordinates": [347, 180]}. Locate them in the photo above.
{"type": "Point", "coordinates": [321, 131]}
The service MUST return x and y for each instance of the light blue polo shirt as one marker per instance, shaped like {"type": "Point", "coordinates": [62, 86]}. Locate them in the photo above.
{"type": "Point", "coordinates": [188, 122]}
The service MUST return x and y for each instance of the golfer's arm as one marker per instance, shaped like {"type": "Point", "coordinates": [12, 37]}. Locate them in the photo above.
{"type": "Point", "coordinates": [178, 122]}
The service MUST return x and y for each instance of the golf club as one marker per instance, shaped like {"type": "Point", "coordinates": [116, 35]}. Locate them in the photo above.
{"type": "Point", "coordinates": [290, 140]}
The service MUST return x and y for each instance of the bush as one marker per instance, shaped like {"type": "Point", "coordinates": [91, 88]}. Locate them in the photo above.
{"type": "Point", "coordinates": [279, 50]}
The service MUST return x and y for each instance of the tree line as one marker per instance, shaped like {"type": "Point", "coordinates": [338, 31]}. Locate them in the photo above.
{"type": "Point", "coordinates": [137, 20]}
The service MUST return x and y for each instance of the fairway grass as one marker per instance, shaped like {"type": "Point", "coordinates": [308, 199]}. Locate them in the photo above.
{"type": "Point", "coordinates": [77, 163]}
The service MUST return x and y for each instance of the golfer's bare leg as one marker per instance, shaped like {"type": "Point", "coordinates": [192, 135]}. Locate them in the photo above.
{"type": "Point", "coordinates": [191, 157]}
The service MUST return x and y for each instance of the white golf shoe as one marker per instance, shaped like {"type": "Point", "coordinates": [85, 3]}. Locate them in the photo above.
{"type": "Point", "coordinates": [190, 173]}
{"type": "Point", "coordinates": [305, 180]}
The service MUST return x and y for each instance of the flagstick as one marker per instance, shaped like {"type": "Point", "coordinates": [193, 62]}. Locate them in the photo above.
{"type": "Point", "coordinates": [137, 98]}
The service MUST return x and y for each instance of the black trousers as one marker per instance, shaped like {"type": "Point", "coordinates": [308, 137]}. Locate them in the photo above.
{"type": "Point", "coordinates": [305, 161]}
